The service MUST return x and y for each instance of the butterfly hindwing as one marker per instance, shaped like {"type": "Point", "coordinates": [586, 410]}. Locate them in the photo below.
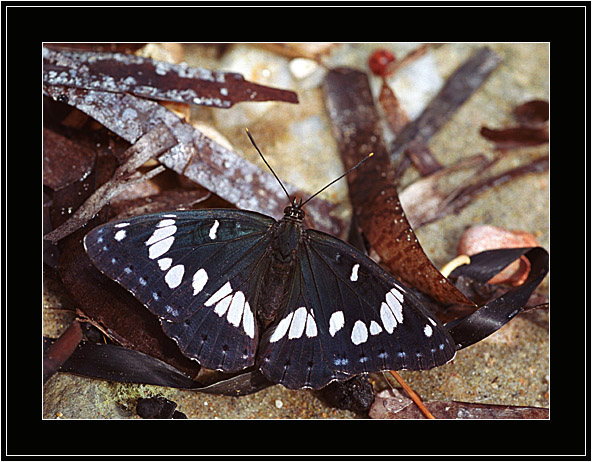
{"type": "Point", "coordinates": [365, 321]}
{"type": "Point", "coordinates": [197, 271]}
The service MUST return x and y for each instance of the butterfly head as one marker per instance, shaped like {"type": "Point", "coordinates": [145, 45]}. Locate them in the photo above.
{"type": "Point", "coordinates": [294, 211]}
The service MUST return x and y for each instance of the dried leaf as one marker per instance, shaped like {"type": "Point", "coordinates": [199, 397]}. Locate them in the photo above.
{"type": "Point", "coordinates": [426, 199]}
{"type": "Point", "coordinates": [120, 364]}
{"type": "Point", "coordinates": [196, 156]}
{"type": "Point", "coordinates": [516, 137]}
{"type": "Point", "coordinates": [432, 197]}
{"type": "Point", "coordinates": [394, 113]}
{"type": "Point", "coordinates": [467, 194]}
{"type": "Point", "coordinates": [372, 187]}
{"type": "Point", "coordinates": [393, 404]}
{"type": "Point", "coordinates": [485, 237]}
{"type": "Point", "coordinates": [61, 350]}
{"type": "Point", "coordinates": [64, 162]}
{"type": "Point", "coordinates": [457, 89]}
{"type": "Point", "coordinates": [145, 77]}
{"type": "Point", "coordinates": [533, 118]}
{"type": "Point", "coordinates": [489, 318]}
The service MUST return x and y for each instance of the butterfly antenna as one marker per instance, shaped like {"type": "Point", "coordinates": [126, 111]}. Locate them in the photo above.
{"type": "Point", "coordinates": [268, 166]}
{"type": "Point", "coordinates": [337, 179]}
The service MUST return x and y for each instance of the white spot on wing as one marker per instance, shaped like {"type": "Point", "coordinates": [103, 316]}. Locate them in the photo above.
{"type": "Point", "coordinates": [120, 235]}
{"type": "Point", "coordinates": [160, 248]}
{"type": "Point", "coordinates": [281, 328]}
{"type": "Point", "coordinates": [163, 223]}
{"type": "Point", "coordinates": [359, 333]}
{"type": "Point", "coordinates": [395, 304]}
{"type": "Point", "coordinates": [165, 263]}
{"type": "Point", "coordinates": [214, 230]}
{"type": "Point", "coordinates": [199, 280]}
{"type": "Point", "coordinates": [354, 273]}
{"type": "Point", "coordinates": [248, 321]}
{"type": "Point", "coordinates": [222, 306]}
{"type": "Point", "coordinates": [161, 233]}
{"type": "Point", "coordinates": [388, 318]}
{"type": "Point", "coordinates": [375, 328]}
{"type": "Point", "coordinates": [235, 312]}
{"type": "Point", "coordinates": [311, 326]}
{"type": "Point", "coordinates": [225, 290]}
{"type": "Point", "coordinates": [397, 294]}
{"type": "Point", "coordinates": [427, 330]}
{"type": "Point", "coordinates": [298, 323]}
{"type": "Point", "coordinates": [336, 322]}
{"type": "Point", "coordinates": [121, 225]}
{"type": "Point", "coordinates": [174, 276]}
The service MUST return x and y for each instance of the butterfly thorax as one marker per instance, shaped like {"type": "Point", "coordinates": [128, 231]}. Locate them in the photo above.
{"type": "Point", "coordinates": [287, 237]}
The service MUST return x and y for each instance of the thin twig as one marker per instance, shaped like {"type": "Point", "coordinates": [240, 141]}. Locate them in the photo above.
{"type": "Point", "coordinates": [414, 396]}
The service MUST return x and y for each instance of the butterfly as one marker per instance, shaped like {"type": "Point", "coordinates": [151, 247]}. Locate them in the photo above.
{"type": "Point", "coordinates": [236, 289]}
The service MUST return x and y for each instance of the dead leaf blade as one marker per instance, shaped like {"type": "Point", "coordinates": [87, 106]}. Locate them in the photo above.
{"type": "Point", "coordinates": [148, 78]}
{"type": "Point", "coordinates": [372, 186]}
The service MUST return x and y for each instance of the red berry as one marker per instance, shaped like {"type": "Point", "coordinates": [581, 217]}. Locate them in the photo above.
{"type": "Point", "coordinates": [379, 61]}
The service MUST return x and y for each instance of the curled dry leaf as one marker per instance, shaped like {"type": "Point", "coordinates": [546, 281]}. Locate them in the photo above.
{"type": "Point", "coordinates": [118, 72]}
{"type": "Point", "coordinates": [533, 118]}
{"type": "Point", "coordinates": [485, 237]}
{"type": "Point", "coordinates": [372, 187]}
{"type": "Point", "coordinates": [101, 301]}
{"type": "Point", "coordinates": [516, 137]}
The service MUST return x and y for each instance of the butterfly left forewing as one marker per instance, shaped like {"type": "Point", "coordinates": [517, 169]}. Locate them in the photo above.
{"type": "Point", "coordinates": [197, 271]}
